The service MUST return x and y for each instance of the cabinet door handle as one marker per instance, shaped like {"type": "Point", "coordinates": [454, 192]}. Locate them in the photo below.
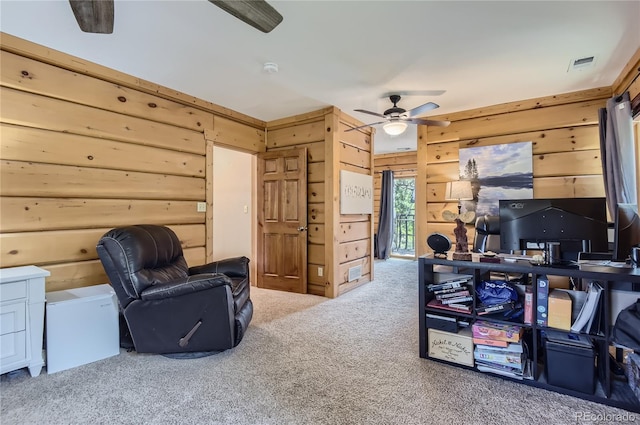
{"type": "Point", "coordinates": [302, 228]}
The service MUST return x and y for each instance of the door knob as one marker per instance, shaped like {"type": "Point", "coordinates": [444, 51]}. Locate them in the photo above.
{"type": "Point", "coordinates": [302, 228]}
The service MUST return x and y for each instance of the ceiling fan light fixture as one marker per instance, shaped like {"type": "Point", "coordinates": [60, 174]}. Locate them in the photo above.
{"type": "Point", "coordinates": [394, 128]}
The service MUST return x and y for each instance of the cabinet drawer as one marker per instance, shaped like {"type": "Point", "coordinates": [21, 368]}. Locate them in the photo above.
{"type": "Point", "coordinates": [12, 318]}
{"type": "Point", "coordinates": [13, 290]}
{"type": "Point", "coordinates": [13, 348]}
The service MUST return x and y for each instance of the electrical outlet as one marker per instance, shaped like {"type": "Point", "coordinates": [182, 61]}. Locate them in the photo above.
{"type": "Point", "coordinates": [246, 209]}
{"type": "Point", "coordinates": [201, 207]}
{"type": "Point", "coordinates": [320, 271]}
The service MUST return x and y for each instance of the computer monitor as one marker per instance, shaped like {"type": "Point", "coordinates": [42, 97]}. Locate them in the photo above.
{"type": "Point", "coordinates": [626, 233]}
{"type": "Point", "coordinates": [579, 224]}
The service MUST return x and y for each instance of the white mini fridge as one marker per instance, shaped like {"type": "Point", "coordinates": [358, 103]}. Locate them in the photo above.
{"type": "Point", "coordinates": [81, 326]}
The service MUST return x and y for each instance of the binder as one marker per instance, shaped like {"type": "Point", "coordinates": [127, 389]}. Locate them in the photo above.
{"type": "Point", "coordinates": [589, 309]}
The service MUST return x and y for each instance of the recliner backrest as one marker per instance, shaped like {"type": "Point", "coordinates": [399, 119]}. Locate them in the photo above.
{"type": "Point", "coordinates": [487, 236]}
{"type": "Point", "coordinates": [136, 257]}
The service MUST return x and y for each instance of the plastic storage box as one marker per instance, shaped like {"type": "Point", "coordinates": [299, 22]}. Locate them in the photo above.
{"type": "Point", "coordinates": [81, 326]}
{"type": "Point", "coordinates": [569, 366]}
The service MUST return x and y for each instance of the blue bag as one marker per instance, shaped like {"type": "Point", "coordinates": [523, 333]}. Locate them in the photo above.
{"type": "Point", "coordinates": [492, 292]}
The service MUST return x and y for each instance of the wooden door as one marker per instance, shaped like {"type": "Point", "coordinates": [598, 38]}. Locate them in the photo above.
{"type": "Point", "coordinates": [282, 220]}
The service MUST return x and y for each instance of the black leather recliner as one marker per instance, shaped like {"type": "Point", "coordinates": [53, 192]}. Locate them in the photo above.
{"type": "Point", "coordinates": [169, 307]}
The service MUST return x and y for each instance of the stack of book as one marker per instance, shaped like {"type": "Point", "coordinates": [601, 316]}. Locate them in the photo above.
{"type": "Point", "coordinates": [451, 292]}
{"type": "Point", "coordinates": [499, 350]}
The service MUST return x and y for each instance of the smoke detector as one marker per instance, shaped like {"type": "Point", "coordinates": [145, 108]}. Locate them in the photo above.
{"type": "Point", "coordinates": [270, 67]}
{"type": "Point", "coordinates": [581, 64]}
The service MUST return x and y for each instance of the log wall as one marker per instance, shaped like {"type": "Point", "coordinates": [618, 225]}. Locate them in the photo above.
{"type": "Point", "coordinates": [85, 149]}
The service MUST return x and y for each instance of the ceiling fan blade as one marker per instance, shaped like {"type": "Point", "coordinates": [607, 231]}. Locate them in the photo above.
{"type": "Point", "coordinates": [370, 113]}
{"type": "Point", "coordinates": [257, 13]}
{"type": "Point", "coordinates": [424, 121]}
{"type": "Point", "coordinates": [419, 110]}
{"type": "Point", "coordinates": [366, 125]}
{"type": "Point", "coordinates": [95, 16]}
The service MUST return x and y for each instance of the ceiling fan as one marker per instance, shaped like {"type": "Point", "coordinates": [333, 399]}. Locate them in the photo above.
{"type": "Point", "coordinates": [96, 16]}
{"type": "Point", "coordinates": [396, 118]}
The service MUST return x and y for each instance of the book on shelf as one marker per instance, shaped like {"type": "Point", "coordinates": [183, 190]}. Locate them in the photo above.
{"type": "Point", "coordinates": [460, 293]}
{"type": "Point", "coordinates": [443, 281]}
{"type": "Point", "coordinates": [518, 373]}
{"type": "Point", "coordinates": [457, 300]}
{"type": "Point", "coordinates": [496, 308]}
{"type": "Point", "coordinates": [458, 308]}
{"type": "Point", "coordinates": [450, 290]}
{"type": "Point", "coordinates": [490, 342]}
{"type": "Point", "coordinates": [516, 369]}
{"type": "Point", "coordinates": [506, 358]}
{"type": "Point", "coordinates": [597, 325]}
{"type": "Point", "coordinates": [528, 305]}
{"type": "Point", "coordinates": [589, 309]}
{"type": "Point", "coordinates": [511, 347]}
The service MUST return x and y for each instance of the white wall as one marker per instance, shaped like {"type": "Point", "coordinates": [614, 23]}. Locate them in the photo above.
{"type": "Point", "coordinates": [233, 174]}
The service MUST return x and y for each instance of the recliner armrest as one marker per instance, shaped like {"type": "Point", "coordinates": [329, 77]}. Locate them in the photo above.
{"type": "Point", "coordinates": [232, 267]}
{"type": "Point", "coordinates": [193, 283]}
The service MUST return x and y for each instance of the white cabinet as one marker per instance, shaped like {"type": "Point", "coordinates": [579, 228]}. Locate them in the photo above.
{"type": "Point", "coordinates": [22, 318]}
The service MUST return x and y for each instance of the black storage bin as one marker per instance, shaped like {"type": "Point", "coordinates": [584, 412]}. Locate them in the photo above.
{"type": "Point", "coordinates": [570, 366]}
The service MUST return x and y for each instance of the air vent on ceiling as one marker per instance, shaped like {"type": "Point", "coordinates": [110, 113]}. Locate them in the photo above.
{"type": "Point", "coordinates": [581, 63]}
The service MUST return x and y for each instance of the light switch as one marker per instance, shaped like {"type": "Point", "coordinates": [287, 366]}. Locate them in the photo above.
{"type": "Point", "coordinates": [246, 209]}
{"type": "Point", "coordinates": [320, 271]}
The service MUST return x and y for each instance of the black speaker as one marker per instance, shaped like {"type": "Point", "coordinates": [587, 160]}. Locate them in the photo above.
{"type": "Point", "coordinates": [439, 243]}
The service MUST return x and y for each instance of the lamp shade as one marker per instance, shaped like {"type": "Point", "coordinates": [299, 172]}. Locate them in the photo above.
{"type": "Point", "coordinates": [458, 191]}
{"type": "Point", "coordinates": [394, 128]}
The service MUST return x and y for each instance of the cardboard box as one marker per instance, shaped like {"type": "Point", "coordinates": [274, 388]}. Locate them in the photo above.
{"type": "Point", "coordinates": [452, 347]}
{"type": "Point", "coordinates": [497, 331]}
{"type": "Point", "coordinates": [559, 310]}
{"type": "Point", "coordinates": [542, 289]}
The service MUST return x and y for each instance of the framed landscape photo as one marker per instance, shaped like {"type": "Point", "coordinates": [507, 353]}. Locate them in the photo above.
{"type": "Point", "coordinates": [496, 172]}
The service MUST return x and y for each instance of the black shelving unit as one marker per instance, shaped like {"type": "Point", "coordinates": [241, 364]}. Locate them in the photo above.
{"type": "Point", "coordinates": [609, 389]}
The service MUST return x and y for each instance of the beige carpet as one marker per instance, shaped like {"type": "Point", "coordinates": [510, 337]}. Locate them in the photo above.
{"type": "Point", "coordinates": [304, 360]}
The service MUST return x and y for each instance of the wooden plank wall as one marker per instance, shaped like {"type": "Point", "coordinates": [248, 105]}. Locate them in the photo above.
{"type": "Point", "coordinates": [336, 242]}
{"type": "Point", "coordinates": [82, 154]}
{"type": "Point", "coordinates": [403, 164]}
{"type": "Point", "coordinates": [566, 152]}
{"type": "Point", "coordinates": [355, 231]}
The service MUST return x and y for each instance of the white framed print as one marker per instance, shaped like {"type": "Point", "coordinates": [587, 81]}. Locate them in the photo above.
{"type": "Point", "coordinates": [356, 193]}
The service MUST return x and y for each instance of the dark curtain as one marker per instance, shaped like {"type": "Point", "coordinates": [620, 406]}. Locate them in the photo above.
{"type": "Point", "coordinates": [385, 220]}
{"type": "Point", "coordinates": [618, 153]}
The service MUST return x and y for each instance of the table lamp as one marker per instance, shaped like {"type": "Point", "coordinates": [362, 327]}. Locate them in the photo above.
{"type": "Point", "coordinates": [460, 191]}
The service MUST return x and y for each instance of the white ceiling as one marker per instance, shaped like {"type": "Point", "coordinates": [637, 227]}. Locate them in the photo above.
{"type": "Point", "coordinates": [349, 53]}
